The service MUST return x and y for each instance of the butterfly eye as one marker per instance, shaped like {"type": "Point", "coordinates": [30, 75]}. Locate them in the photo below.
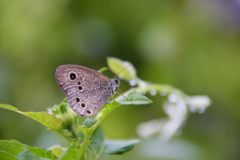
{"type": "Point", "coordinates": [116, 81]}
{"type": "Point", "coordinates": [77, 100]}
{"type": "Point", "coordinates": [88, 112]}
{"type": "Point", "coordinates": [80, 88]}
{"type": "Point", "coordinates": [83, 105]}
{"type": "Point", "coordinates": [72, 76]}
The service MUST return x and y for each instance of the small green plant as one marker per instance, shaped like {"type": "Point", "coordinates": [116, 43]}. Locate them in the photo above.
{"type": "Point", "coordinates": [85, 136]}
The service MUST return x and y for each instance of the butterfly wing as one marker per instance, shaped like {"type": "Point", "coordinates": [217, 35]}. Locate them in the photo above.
{"type": "Point", "coordinates": [86, 89]}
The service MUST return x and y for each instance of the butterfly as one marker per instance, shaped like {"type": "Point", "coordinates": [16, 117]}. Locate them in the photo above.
{"type": "Point", "coordinates": [87, 90]}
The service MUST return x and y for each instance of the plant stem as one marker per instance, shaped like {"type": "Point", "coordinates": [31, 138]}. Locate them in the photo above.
{"type": "Point", "coordinates": [99, 118]}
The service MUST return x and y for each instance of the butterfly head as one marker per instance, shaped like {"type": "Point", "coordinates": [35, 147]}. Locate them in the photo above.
{"type": "Point", "coordinates": [115, 83]}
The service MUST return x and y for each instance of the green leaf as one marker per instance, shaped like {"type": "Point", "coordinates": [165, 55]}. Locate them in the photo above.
{"type": "Point", "coordinates": [44, 118]}
{"type": "Point", "coordinates": [12, 149]}
{"type": "Point", "coordinates": [89, 122]}
{"type": "Point", "coordinates": [57, 150]}
{"type": "Point", "coordinates": [119, 147]}
{"type": "Point", "coordinates": [123, 69]}
{"type": "Point", "coordinates": [40, 152]}
{"type": "Point", "coordinates": [73, 152]}
{"type": "Point", "coordinates": [134, 98]}
{"type": "Point", "coordinates": [25, 155]}
{"type": "Point", "coordinates": [97, 145]}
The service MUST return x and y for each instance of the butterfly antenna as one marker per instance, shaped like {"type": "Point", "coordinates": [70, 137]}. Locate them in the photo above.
{"type": "Point", "coordinates": [119, 94]}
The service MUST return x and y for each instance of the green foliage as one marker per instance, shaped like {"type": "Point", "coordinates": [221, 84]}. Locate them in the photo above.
{"type": "Point", "coordinates": [133, 98]}
{"type": "Point", "coordinates": [12, 149]}
{"type": "Point", "coordinates": [119, 147]}
{"type": "Point", "coordinates": [50, 121]}
{"type": "Point", "coordinates": [85, 136]}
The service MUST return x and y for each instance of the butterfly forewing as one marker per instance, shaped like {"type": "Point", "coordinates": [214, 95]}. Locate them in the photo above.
{"type": "Point", "coordinates": [87, 90]}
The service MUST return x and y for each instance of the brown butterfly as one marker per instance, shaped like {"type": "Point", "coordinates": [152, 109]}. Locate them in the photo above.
{"type": "Point", "coordinates": [86, 89]}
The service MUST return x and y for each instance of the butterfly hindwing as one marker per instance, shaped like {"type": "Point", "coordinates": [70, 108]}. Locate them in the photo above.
{"type": "Point", "coordinates": [86, 89]}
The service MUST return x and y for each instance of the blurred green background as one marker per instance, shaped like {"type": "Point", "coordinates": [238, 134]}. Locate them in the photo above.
{"type": "Point", "coordinates": [193, 45]}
